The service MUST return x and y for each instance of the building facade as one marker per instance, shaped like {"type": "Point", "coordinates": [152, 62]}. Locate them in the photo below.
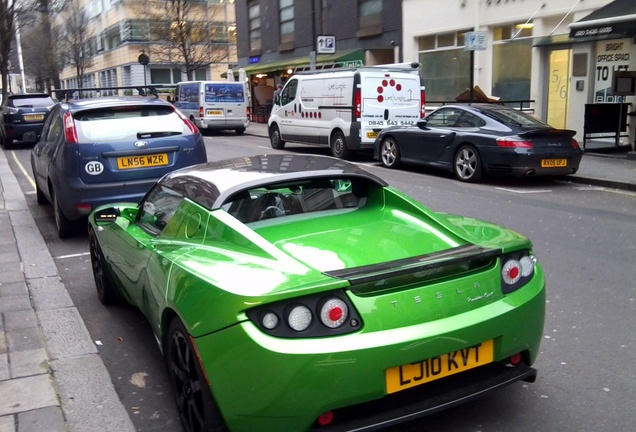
{"type": "Point", "coordinates": [277, 38]}
{"type": "Point", "coordinates": [122, 30]}
{"type": "Point", "coordinates": [553, 57]}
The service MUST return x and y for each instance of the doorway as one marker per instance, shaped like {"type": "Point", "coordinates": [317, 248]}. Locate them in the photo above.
{"type": "Point", "coordinates": [558, 87]}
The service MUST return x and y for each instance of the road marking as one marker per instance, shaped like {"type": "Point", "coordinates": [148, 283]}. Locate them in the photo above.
{"type": "Point", "coordinates": [71, 256]}
{"type": "Point", "coordinates": [24, 171]}
{"type": "Point", "coordinates": [524, 191]}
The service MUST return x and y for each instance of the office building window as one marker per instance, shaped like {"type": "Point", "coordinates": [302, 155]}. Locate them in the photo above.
{"type": "Point", "coordinates": [370, 12]}
{"type": "Point", "coordinates": [512, 44]}
{"type": "Point", "coordinates": [445, 65]}
{"type": "Point", "coordinates": [286, 20]}
{"type": "Point", "coordinates": [254, 16]}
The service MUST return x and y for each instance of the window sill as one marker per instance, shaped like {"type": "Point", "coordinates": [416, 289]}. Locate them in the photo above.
{"type": "Point", "coordinates": [286, 46]}
{"type": "Point", "coordinates": [364, 32]}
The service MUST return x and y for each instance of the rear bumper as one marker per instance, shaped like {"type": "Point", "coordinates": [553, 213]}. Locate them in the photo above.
{"type": "Point", "coordinates": [520, 163]}
{"type": "Point", "coordinates": [16, 131]}
{"type": "Point", "coordinates": [225, 123]}
{"type": "Point", "coordinates": [76, 195]}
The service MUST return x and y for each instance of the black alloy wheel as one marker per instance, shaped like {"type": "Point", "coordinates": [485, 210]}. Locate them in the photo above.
{"type": "Point", "coordinates": [339, 145]}
{"type": "Point", "coordinates": [275, 138]}
{"type": "Point", "coordinates": [467, 164]}
{"type": "Point", "coordinates": [106, 290]}
{"type": "Point", "coordinates": [197, 410]}
{"type": "Point", "coordinates": [390, 153]}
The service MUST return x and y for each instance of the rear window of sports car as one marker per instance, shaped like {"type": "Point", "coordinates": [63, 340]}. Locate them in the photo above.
{"type": "Point", "coordinates": [129, 123]}
{"type": "Point", "coordinates": [299, 197]}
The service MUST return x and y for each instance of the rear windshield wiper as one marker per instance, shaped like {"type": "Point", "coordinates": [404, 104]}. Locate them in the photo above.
{"type": "Point", "coordinates": [141, 135]}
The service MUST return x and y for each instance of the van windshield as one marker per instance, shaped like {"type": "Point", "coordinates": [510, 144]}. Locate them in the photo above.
{"type": "Point", "coordinates": [224, 92]}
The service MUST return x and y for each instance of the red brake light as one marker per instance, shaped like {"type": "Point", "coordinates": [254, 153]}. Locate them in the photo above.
{"type": "Point", "coordinates": [513, 143]}
{"type": "Point", "coordinates": [69, 128]}
{"type": "Point", "coordinates": [247, 112]}
{"type": "Point", "coordinates": [357, 104]}
{"type": "Point", "coordinates": [193, 128]}
{"type": "Point", "coordinates": [200, 111]}
{"type": "Point", "coordinates": [423, 104]}
{"type": "Point", "coordinates": [334, 312]}
{"type": "Point", "coordinates": [575, 144]}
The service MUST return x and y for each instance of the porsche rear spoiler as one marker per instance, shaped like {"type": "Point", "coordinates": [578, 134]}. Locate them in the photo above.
{"type": "Point", "coordinates": [535, 133]}
{"type": "Point", "coordinates": [418, 269]}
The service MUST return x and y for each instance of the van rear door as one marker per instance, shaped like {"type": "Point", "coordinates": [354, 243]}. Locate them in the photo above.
{"type": "Point", "coordinates": [224, 104]}
{"type": "Point", "coordinates": [388, 98]}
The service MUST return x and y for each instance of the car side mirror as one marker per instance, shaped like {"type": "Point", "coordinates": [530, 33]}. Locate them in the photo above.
{"type": "Point", "coordinates": [422, 124]}
{"type": "Point", "coordinates": [30, 137]}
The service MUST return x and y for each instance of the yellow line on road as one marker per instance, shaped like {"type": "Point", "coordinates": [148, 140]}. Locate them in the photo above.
{"type": "Point", "coordinates": [24, 171]}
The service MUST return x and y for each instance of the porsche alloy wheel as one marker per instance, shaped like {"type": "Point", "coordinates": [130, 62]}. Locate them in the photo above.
{"type": "Point", "coordinates": [275, 139]}
{"type": "Point", "coordinates": [106, 290]}
{"type": "Point", "coordinates": [197, 410]}
{"type": "Point", "coordinates": [390, 153]}
{"type": "Point", "coordinates": [468, 164]}
{"type": "Point", "coordinates": [339, 146]}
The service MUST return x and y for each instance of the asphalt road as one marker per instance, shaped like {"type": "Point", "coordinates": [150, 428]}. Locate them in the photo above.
{"type": "Point", "coordinates": [585, 238]}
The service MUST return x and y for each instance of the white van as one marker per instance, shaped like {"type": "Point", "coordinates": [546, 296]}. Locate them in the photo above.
{"type": "Point", "coordinates": [345, 109]}
{"type": "Point", "coordinates": [214, 104]}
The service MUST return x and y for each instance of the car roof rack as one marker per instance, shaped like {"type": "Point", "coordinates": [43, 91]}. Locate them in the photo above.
{"type": "Point", "coordinates": [143, 90]}
{"type": "Point", "coordinates": [412, 67]}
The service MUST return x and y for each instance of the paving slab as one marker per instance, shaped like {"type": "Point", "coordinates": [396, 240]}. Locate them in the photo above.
{"type": "Point", "coordinates": [25, 394]}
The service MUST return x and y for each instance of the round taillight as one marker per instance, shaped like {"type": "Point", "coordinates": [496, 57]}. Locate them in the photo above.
{"type": "Point", "coordinates": [527, 265]}
{"type": "Point", "coordinates": [270, 320]}
{"type": "Point", "coordinates": [325, 418]}
{"type": "Point", "coordinates": [299, 318]}
{"type": "Point", "coordinates": [334, 312]}
{"type": "Point", "coordinates": [511, 272]}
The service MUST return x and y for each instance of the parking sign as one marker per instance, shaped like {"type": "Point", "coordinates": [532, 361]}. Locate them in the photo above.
{"type": "Point", "coordinates": [326, 44]}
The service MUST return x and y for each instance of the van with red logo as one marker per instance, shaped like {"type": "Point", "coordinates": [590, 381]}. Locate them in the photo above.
{"type": "Point", "coordinates": [345, 109]}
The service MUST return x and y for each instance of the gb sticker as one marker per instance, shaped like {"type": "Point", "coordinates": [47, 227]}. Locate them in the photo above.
{"type": "Point", "coordinates": [94, 168]}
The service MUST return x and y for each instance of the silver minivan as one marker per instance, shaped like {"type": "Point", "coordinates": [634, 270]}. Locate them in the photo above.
{"type": "Point", "coordinates": [214, 104]}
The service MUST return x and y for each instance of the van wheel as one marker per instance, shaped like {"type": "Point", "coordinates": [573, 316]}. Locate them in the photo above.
{"type": "Point", "coordinates": [240, 131]}
{"type": "Point", "coordinates": [339, 145]}
{"type": "Point", "coordinates": [275, 139]}
{"type": "Point", "coordinates": [468, 164]}
{"type": "Point", "coordinates": [390, 153]}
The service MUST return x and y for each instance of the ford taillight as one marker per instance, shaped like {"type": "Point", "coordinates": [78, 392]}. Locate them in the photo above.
{"type": "Point", "coordinates": [193, 128]}
{"type": "Point", "coordinates": [69, 128]}
{"type": "Point", "coordinates": [357, 104]}
{"type": "Point", "coordinates": [423, 104]}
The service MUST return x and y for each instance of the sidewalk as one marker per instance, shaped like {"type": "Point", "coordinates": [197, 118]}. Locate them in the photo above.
{"type": "Point", "coordinates": [51, 376]}
{"type": "Point", "coordinates": [613, 170]}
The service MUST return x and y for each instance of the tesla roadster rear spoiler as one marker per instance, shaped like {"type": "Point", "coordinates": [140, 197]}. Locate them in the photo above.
{"type": "Point", "coordinates": [418, 269]}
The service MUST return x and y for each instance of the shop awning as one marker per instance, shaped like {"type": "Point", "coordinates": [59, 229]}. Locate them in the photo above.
{"type": "Point", "coordinates": [614, 20]}
{"type": "Point", "coordinates": [340, 58]}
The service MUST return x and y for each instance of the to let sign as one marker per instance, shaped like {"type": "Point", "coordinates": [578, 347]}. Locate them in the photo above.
{"type": "Point", "coordinates": [475, 41]}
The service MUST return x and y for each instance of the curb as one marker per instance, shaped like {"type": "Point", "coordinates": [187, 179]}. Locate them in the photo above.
{"type": "Point", "coordinates": [69, 368]}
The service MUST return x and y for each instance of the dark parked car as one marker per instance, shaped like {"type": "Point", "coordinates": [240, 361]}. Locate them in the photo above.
{"type": "Point", "coordinates": [22, 113]}
{"type": "Point", "coordinates": [102, 150]}
{"type": "Point", "coordinates": [481, 139]}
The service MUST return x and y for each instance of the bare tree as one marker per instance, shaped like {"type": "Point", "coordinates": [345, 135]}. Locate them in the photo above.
{"type": "Point", "coordinates": [187, 34]}
{"type": "Point", "coordinates": [7, 30]}
{"type": "Point", "coordinates": [75, 36]}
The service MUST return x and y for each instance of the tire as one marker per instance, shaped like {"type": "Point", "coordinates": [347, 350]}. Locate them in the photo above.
{"type": "Point", "coordinates": [275, 138]}
{"type": "Point", "coordinates": [467, 164]}
{"type": "Point", "coordinates": [65, 227]}
{"type": "Point", "coordinates": [240, 131]}
{"type": "Point", "coordinates": [339, 146]}
{"type": "Point", "coordinates": [106, 290]}
{"type": "Point", "coordinates": [196, 406]}
{"type": "Point", "coordinates": [390, 153]}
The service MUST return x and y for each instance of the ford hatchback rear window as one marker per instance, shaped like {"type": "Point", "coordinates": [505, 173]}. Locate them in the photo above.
{"type": "Point", "coordinates": [129, 123]}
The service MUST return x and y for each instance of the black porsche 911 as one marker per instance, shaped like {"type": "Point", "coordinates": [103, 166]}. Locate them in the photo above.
{"type": "Point", "coordinates": [481, 139]}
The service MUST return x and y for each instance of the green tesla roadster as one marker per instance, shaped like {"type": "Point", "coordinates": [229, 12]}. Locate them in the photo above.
{"type": "Point", "coordinates": [295, 293]}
